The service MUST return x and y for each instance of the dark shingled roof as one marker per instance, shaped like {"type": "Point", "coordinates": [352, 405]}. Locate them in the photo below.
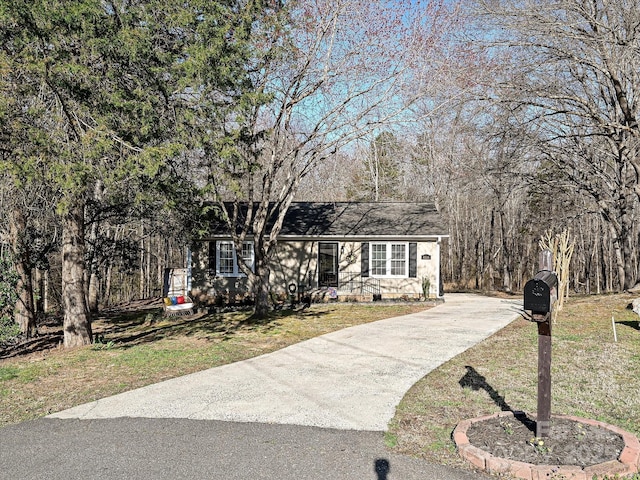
{"type": "Point", "coordinates": [360, 219]}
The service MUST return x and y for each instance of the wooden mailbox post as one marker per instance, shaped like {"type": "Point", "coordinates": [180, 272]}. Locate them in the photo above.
{"type": "Point", "coordinates": [539, 295]}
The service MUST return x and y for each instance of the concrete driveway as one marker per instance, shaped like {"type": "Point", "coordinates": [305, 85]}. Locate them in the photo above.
{"type": "Point", "coordinates": [351, 379]}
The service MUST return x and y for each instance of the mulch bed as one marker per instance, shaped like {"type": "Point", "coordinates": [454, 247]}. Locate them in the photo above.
{"type": "Point", "coordinates": [569, 442]}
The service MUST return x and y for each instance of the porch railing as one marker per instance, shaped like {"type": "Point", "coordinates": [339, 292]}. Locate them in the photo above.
{"type": "Point", "coordinates": [357, 285]}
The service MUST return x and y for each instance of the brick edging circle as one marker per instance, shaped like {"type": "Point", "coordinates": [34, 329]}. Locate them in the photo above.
{"type": "Point", "coordinates": [627, 463]}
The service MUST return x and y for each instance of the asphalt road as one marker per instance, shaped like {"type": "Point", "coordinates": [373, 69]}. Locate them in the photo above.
{"type": "Point", "coordinates": [151, 449]}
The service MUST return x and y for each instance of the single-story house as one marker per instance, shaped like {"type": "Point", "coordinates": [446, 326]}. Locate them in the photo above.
{"type": "Point", "coordinates": [338, 250]}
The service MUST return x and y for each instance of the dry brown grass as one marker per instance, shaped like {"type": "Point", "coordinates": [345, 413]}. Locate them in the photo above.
{"type": "Point", "coordinates": [138, 348]}
{"type": "Point", "coordinates": [592, 377]}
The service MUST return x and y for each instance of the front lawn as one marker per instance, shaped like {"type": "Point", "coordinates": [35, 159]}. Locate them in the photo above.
{"type": "Point", "coordinates": [592, 377]}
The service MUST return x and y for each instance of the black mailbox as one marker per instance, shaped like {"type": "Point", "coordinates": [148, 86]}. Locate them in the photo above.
{"type": "Point", "coordinates": [540, 292]}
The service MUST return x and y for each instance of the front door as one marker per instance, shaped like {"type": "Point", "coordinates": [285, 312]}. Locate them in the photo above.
{"type": "Point", "coordinates": [328, 264]}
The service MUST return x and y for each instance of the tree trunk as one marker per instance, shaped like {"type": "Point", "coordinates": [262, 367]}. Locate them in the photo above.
{"type": "Point", "coordinates": [109, 271]}
{"type": "Point", "coordinates": [24, 309]}
{"type": "Point", "coordinates": [478, 281]}
{"type": "Point", "coordinates": [618, 249]}
{"type": "Point", "coordinates": [107, 286]}
{"type": "Point", "coordinates": [630, 277]}
{"type": "Point", "coordinates": [93, 278]}
{"type": "Point", "coordinates": [92, 299]}
{"type": "Point", "coordinates": [506, 255]}
{"type": "Point", "coordinates": [41, 285]}
{"type": "Point", "coordinates": [147, 270]}
{"type": "Point", "coordinates": [24, 313]}
{"type": "Point", "coordinates": [76, 323]}
{"type": "Point", "coordinates": [492, 259]}
{"type": "Point", "coordinates": [141, 284]}
{"type": "Point", "coordinates": [261, 287]}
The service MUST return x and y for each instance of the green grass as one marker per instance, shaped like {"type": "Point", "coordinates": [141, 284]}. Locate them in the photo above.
{"type": "Point", "coordinates": [390, 440]}
{"type": "Point", "coordinates": [592, 377]}
{"type": "Point", "coordinates": [9, 373]}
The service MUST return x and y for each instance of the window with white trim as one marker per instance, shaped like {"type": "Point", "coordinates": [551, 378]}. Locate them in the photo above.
{"type": "Point", "coordinates": [227, 261]}
{"type": "Point", "coordinates": [389, 260]}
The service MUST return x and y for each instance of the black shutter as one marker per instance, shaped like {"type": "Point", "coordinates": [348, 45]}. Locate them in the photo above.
{"type": "Point", "coordinates": [212, 256]}
{"type": "Point", "coordinates": [364, 259]}
{"type": "Point", "coordinates": [413, 260]}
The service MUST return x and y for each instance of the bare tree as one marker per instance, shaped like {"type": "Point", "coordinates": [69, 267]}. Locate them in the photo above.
{"type": "Point", "coordinates": [523, 141]}
{"type": "Point", "coordinates": [574, 85]}
{"type": "Point", "coordinates": [349, 69]}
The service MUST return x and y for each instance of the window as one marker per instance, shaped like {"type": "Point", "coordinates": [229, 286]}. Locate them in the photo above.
{"type": "Point", "coordinates": [378, 259]}
{"type": "Point", "coordinates": [399, 259]}
{"type": "Point", "coordinates": [227, 262]}
{"type": "Point", "coordinates": [389, 259]}
{"type": "Point", "coordinates": [226, 259]}
{"type": "Point", "coordinates": [247, 254]}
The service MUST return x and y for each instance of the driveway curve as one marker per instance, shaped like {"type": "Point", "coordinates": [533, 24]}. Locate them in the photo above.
{"type": "Point", "coordinates": [351, 379]}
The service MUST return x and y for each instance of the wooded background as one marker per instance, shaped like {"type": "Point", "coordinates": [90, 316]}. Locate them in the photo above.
{"type": "Point", "coordinates": [122, 123]}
